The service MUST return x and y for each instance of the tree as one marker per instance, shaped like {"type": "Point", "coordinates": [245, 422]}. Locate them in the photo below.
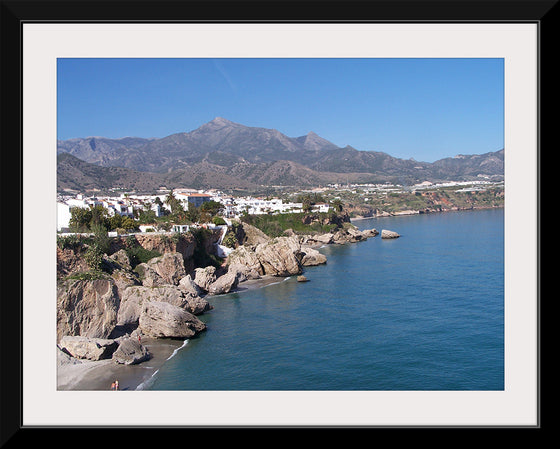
{"type": "Point", "coordinates": [101, 238]}
{"type": "Point", "coordinates": [128, 223]}
{"type": "Point", "coordinates": [115, 221]}
{"type": "Point", "coordinates": [193, 213]}
{"type": "Point", "coordinates": [99, 216]}
{"type": "Point", "coordinates": [146, 216]}
{"type": "Point", "coordinates": [336, 204]}
{"type": "Point", "coordinates": [306, 204]}
{"type": "Point", "coordinates": [80, 219]}
{"type": "Point", "coordinates": [173, 203]}
{"type": "Point", "coordinates": [212, 207]}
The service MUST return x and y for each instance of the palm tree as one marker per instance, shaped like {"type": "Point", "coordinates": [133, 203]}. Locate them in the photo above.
{"type": "Point", "coordinates": [337, 205]}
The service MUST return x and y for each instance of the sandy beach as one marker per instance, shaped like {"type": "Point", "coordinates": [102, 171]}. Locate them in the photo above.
{"type": "Point", "coordinates": [75, 374]}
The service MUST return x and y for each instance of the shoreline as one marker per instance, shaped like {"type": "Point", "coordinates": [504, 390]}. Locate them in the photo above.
{"type": "Point", "coordinates": [88, 375]}
{"type": "Point", "coordinates": [418, 212]}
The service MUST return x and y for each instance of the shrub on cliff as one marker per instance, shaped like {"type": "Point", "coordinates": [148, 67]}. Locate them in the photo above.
{"type": "Point", "coordinates": [137, 254]}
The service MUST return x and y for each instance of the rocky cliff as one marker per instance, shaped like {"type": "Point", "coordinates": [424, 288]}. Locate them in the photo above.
{"type": "Point", "coordinates": [162, 297]}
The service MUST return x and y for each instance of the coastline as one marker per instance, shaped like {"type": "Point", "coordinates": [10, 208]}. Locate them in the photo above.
{"type": "Point", "coordinates": [417, 212]}
{"type": "Point", "coordinates": [76, 374]}
{"type": "Point", "coordinates": [88, 375]}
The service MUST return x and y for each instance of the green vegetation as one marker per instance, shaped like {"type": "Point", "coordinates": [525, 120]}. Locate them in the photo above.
{"type": "Point", "coordinates": [90, 219]}
{"type": "Point", "coordinates": [91, 275]}
{"type": "Point", "coordinates": [201, 257]}
{"type": "Point", "coordinates": [300, 223]}
{"type": "Point", "coordinates": [73, 241]}
{"type": "Point", "coordinates": [230, 240]}
{"type": "Point", "coordinates": [138, 254]}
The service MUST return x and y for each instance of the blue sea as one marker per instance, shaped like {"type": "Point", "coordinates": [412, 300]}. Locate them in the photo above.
{"type": "Point", "coordinates": [421, 312]}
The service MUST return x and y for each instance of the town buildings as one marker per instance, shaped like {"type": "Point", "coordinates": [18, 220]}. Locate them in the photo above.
{"type": "Point", "coordinates": [129, 204]}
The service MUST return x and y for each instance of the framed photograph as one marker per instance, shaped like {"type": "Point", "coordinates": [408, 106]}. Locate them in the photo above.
{"type": "Point", "coordinates": [404, 139]}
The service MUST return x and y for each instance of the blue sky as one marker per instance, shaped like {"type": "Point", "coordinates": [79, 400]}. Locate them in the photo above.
{"type": "Point", "coordinates": [425, 109]}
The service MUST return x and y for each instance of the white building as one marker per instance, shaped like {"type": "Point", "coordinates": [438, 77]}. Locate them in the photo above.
{"type": "Point", "coordinates": [259, 206]}
{"type": "Point", "coordinates": [62, 217]}
{"type": "Point", "coordinates": [321, 207]}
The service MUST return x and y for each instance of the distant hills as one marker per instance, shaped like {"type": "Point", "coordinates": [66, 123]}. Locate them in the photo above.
{"type": "Point", "coordinates": [228, 155]}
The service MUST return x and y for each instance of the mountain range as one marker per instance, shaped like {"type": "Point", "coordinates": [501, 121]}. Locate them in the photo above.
{"type": "Point", "coordinates": [223, 154]}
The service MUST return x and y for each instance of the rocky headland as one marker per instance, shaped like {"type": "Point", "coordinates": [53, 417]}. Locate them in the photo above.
{"type": "Point", "coordinates": [108, 315]}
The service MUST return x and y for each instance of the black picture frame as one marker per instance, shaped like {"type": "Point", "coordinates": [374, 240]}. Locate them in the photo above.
{"type": "Point", "coordinates": [16, 13]}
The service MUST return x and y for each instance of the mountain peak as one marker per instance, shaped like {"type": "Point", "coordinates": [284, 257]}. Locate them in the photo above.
{"type": "Point", "coordinates": [221, 121]}
{"type": "Point", "coordinates": [216, 124]}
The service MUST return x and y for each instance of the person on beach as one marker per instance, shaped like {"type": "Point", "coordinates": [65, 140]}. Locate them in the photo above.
{"type": "Point", "coordinates": [113, 386]}
{"type": "Point", "coordinates": [116, 384]}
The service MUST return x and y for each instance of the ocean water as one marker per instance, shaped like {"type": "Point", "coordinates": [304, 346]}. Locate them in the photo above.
{"type": "Point", "coordinates": [421, 312]}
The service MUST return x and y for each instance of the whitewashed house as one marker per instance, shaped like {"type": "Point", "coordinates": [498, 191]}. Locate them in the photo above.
{"type": "Point", "coordinates": [321, 207]}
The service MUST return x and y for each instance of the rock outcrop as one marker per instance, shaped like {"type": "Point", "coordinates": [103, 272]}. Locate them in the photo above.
{"type": "Point", "coordinates": [245, 256]}
{"type": "Point", "coordinates": [342, 236]}
{"type": "Point", "coordinates": [162, 297]}
{"type": "Point", "coordinates": [311, 257]}
{"type": "Point", "coordinates": [386, 234]}
{"type": "Point", "coordinates": [163, 320]}
{"type": "Point", "coordinates": [204, 277]}
{"type": "Point", "coordinates": [87, 348]}
{"type": "Point", "coordinates": [279, 256]}
{"type": "Point", "coordinates": [87, 308]}
{"type": "Point", "coordinates": [187, 285]}
{"type": "Point", "coordinates": [224, 284]}
{"type": "Point", "coordinates": [130, 352]}
{"type": "Point", "coordinates": [135, 297]}
{"type": "Point", "coordinates": [244, 272]}
{"type": "Point", "coordinates": [169, 267]}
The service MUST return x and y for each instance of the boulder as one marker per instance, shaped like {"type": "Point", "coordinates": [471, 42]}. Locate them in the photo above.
{"type": "Point", "coordinates": [324, 238]}
{"type": "Point", "coordinates": [131, 305]}
{"type": "Point", "coordinates": [224, 284]}
{"type": "Point", "coordinates": [149, 276]}
{"type": "Point", "coordinates": [355, 233]}
{"type": "Point", "coordinates": [196, 305]}
{"type": "Point", "coordinates": [87, 307]}
{"type": "Point", "coordinates": [170, 267]}
{"type": "Point", "coordinates": [302, 278]}
{"type": "Point", "coordinates": [135, 297]}
{"type": "Point", "coordinates": [161, 319]}
{"type": "Point", "coordinates": [386, 234]}
{"type": "Point", "coordinates": [204, 277]}
{"type": "Point", "coordinates": [243, 272]}
{"type": "Point", "coordinates": [370, 232]}
{"type": "Point", "coordinates": [312, 257]}
{"type": "Point", "coordinates": [87, 348]}
{"type": "Point", "coordinates": [187, 285]}
{"type": "Point", "coordinates": [130, 352]}
{"type": "Point", "coordinates": [279, 256]}
{"type": "Point", "coordinates": [246, 256]}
